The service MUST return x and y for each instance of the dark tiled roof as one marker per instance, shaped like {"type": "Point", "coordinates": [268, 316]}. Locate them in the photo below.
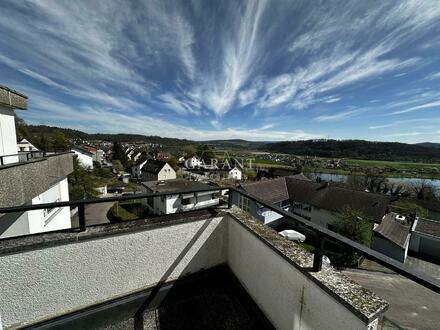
{"type": "Point", "coordinates": [334, 198]}
{"type": "Point", "coordinates": [272, 191]}
{"type": "Point", "coordinates": [175, 185]}
{"type": "Point", "coordinates": [430, 227]}
{"type": "Point", "coordinates": [392, 230]}
{"type": "Point", "coordinates": [327, 197]}
{"type": "Point", "coordinates": [153, 166]}
{"type": "Point", "coordinates": [142, 158]}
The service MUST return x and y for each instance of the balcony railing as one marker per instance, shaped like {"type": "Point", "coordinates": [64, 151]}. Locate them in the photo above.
{"type": "Point", "coordinates": [23, 156]}
{"type": "Point", "coordinates": [321, 234]}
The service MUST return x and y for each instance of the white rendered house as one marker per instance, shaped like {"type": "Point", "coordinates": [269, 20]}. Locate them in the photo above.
{"type": "Point", "coordinates": [25, 145]}
{"type": "Point", "coordinates": [193, 162]}
{"type": "Point", "coordinates": [179, 202]}
{"type": "Point", "coordinates": [85, 158]}
{"type": "Point", "coordinates": [136, 170]}
{"type": "Point", "coordinates": [235, 174]}
{"type": "Point", "coordinates": [157, 170]}
{"type": "Point", "coordinates": [22, 182]}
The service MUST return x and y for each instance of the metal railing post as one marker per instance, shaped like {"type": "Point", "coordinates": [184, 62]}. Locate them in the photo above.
{"type": "Point", "coordinates": [230, 191]}
{"type": "Point", "coordinates": [82, 217]}
{"type": "Point", "coordinates": [319, 252]}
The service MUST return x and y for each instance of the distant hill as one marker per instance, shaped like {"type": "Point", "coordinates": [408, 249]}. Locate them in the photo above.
{"type": "Point", "coordinates": [129, 138]}
{"type": "Point", "coordinates": [429, 144]}
{"type": "Point", "coordinates": [359, 149]}
{"type": "Point", "coordinates": [235, 144]}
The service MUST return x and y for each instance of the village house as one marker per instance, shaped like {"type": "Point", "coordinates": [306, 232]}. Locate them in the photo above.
{"type": "Point", "coordinates": [392, 236]}
{"type": "Point", "coordinates": [317, 202]}
{"type": "Point", "coordinates": [182, 201]}
{"type": "Point", "coordinates": [157, 170]}
{"type": "Point", "coordinates": [193, 162]}
{"type": "Point", "coordinates": [136, 169]}
{"type": "Point", "coordinates": [29, 182]}
{"type": "Point", "coordinates": [85, 157]}
{"type": "Point", "coordinates": [24, 145]}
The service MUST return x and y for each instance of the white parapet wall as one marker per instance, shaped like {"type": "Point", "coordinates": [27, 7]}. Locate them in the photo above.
{"type": "Point", "coordinates": [108, 262]}
{"type": "Point", "coordinates": [44, 283]}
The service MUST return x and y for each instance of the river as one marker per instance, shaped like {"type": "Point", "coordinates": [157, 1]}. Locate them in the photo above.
{"type": "Point", "coordinates": [405, 181]}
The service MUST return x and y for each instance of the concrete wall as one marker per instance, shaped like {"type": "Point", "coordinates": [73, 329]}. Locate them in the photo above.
{"type": "Point", "coordinates": [44, 283]}
{"type": "Point", "coordinates": [388, 248]}
{"type": "Point", "coordinates": [20, 183]}
{"type": "Point", "coordinates": [8, 136]}
{"type": "Point", "coordinates": [288, 298]}
{"type": "Point", "coordinates": [37, 221]}
{"type": "Point", "coordinates": [425, 245]}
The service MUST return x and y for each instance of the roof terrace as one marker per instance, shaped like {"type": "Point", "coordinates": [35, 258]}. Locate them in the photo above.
{"type": "Point", "coordinates": [216, 268]}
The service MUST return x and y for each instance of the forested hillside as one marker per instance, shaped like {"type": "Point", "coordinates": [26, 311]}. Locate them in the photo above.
{"type": "Point", "coordinates": [357, 149]}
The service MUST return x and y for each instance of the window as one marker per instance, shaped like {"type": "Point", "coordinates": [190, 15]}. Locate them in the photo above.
{"type": "Point", "coordinates": [46, 212]}
{"type": "Point", "coordinates": [243, 203]}
{"type": "Point", "coordinates": [186, 201]}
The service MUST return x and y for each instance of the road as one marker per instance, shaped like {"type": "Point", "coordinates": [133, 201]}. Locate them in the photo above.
{"type": "Point", "coordinates": [411, 305]}
{"type": "Point", "coordinates": [95, 214]}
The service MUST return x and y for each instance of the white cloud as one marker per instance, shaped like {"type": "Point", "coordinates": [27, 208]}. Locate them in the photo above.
{"type": "Point", "coordinates": [267, 126]}
{"type": "Point", "coordinates": [339, 116]}
{"type": "Point", "coordinates": [332, 99]}
{"type": "Point", "coordinates": [434, 104]}
{"type": "Point", "coordinates": [435, 75]}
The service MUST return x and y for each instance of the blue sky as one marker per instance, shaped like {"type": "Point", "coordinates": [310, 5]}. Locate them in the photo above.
{"type": "Point", "coordinates": [258, 70]}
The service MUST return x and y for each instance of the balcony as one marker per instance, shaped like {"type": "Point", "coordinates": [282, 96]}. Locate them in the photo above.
{"type": "Point", "coordinates": [155, 267]}
{"type": "Point", "coordinates": [200, 205]}
{"type": "Point", "coordinates": [30, 175]}
{"type": "Point", "coordinates": [215, 268]}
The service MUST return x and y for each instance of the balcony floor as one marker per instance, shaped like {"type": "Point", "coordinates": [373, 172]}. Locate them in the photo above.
{"type": "Point", "coordinates": [211, 299]}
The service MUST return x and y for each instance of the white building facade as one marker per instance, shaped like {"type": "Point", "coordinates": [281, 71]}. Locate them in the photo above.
{"type": "Point", "coordinates": [85, 158]}
{"type": "Point", "coordinates": [235, 174]}
{"type": "Point", "coordinates": [29, 183]}
{"type": "Point", "coordinates": [174, 203]}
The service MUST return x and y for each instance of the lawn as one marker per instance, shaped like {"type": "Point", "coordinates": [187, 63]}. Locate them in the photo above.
{"type": "Point", "coordinates": [398, 165]}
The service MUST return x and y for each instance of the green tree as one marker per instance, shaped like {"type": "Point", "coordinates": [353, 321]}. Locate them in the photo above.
{"type": "Point", "coordinates": [354, 225]}
{"type": "Point", "coordinates": [21, 128]}
{"type": "Point", "coordinates": [154, 152]}
{"type": "Point", "coordinates": [82, 184]}
{"type": "Point", "coordinates": [407, 207]}
{"type": "Point", "coordinates": [119, 153]}
{"type": "Point", "coordinates": [206, 153]}
{"type": "Point", "coordinates": [43, 143]}
{"type": "Point", "coordinates": [173, 161]}
{"type": "Point", "coordinates": [59, 141]}
{"type": "Point", "coordinates": [117, 166]}
{"type": "Point", "coordinates": [189, 150]}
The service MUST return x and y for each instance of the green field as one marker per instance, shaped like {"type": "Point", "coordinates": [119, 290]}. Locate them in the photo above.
{"type": "Point", "coordinates": [391, 164]}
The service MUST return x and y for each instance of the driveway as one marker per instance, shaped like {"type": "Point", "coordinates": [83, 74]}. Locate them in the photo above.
{"type": "Point", "coordinates": [95, 214]}
{"type": "Point", "coordinates": [411, 305]}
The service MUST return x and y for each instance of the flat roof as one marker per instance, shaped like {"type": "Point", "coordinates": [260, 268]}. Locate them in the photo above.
{"type": "Point", "coordinates": [13, 99]}
{"type": "Point", "coordinates": [427, 226]}
{"type": "Point", "coordinates": [176, 185]}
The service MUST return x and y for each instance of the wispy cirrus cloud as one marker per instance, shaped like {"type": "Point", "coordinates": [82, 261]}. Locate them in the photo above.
{"type": "Point", "coordinates": [339, 115]}
{"type": "Point", "coordinates": [430, 105]}
{"type": "Point", "coordinates": [223, 62]}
